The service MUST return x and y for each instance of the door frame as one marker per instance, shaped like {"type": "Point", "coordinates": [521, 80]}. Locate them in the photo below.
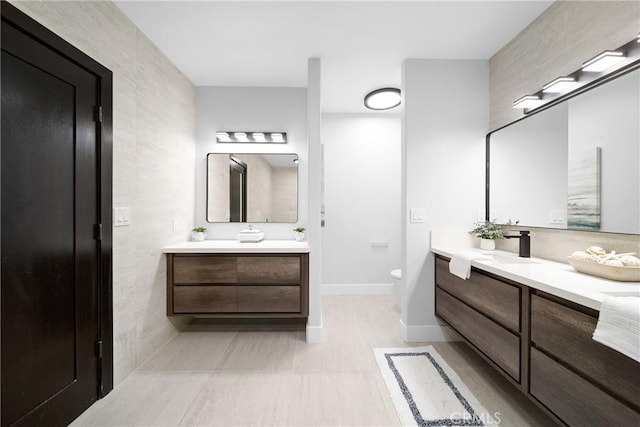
{"type": "Point", "coordinates": [104, 133]}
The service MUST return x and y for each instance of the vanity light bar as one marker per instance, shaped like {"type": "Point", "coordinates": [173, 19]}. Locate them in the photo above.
{"type": "Point", "coordinates": [559, 85]}
{"type": "Point", "coordinates": [252, 137]}
{"type": "Point", "coordinates": [603, 61]}
{"type": "Point", "coordinates": [600, 66]}
{"type": "Point", "coordinates": [528, 101]}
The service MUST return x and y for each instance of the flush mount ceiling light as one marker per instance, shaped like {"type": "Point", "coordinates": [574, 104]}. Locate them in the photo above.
{"type": "Point", "coordinates": [527, 102]}
{"type": "Point", "coordinates": [559, 85]}
{"type": "Point", "coordinates": [252, 137]}
{"type": "Point", "coordinates": [383, 99]}
{"type": "Point", "coordinates": [603, 61]}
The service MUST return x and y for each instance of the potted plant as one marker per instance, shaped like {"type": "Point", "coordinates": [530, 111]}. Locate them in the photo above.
{"type": "Point", "coordinates": [487, 232]}
{"type": "Point", "coordinates": [298, 233]}
{"type": "Point", "coordinates": [198, 234]}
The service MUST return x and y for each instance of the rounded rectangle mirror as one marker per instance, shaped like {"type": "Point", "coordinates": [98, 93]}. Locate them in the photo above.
{"type": "Point", "coordinates": [252, 187]}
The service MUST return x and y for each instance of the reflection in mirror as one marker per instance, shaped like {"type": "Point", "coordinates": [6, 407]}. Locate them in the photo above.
{"type": "Point", "coordinates": [530, 177]}
{"type": "Point", "coordinates": [529, 170]}
{"type": "Point", "coordinates": [252, 187]}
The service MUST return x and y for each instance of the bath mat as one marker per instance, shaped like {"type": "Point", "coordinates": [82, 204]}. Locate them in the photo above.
{"type": "Point", "coordinates": [425, 390]}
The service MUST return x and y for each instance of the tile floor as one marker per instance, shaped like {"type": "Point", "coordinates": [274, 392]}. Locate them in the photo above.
{"type": "Point", "coordinates": [239, 378]}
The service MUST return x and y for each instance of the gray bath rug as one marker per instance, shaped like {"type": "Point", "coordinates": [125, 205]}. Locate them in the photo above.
{"type": "Point", "coordinates": [425, 390]}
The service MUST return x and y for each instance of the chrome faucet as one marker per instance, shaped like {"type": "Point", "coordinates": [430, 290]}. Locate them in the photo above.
{"type": "Point", "coordinates": [524, 251]}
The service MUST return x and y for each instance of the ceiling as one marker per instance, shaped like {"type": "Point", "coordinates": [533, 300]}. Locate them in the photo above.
{"type": "Point", "coordinates": [361, 43]}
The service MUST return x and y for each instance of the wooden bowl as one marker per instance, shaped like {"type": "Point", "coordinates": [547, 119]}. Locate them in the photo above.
{"type": "Point", "coordinates": [620, 274]}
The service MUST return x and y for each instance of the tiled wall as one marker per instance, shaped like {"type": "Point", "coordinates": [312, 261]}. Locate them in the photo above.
{"type": "Point", "coordinates": [153, 164]}
{"type": "Point", "coordinates": [284, 201]}
{"type": "Point", "coordinates": [556, 44]}
{"type": "Point", "coordinates": [557, 245]}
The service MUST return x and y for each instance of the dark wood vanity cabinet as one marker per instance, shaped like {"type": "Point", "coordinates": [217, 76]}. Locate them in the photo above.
{"type": "Point", "coordinates": [578, 379]}
{"type": "Point", "coordinates": [486, 312]}
{"type": "Point", "coordinates": [543, 344]}
{"type": "Point", "coordinates": [238, 285]}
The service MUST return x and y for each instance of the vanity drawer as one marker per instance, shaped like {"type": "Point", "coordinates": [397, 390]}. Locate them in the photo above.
{"type": "Point", "coordinates": [573, 399]}
{"type": "Point", "coordinates": [204, 269]}
{"type": "Point", "coordinates": [269, 299]}
{"type": "Point", "coordinates": [497, 343]}
{"type": "Point", "coordinates": [205, 299]}
{"type": "Point", "coordinates": [498, 300]}
{"type": "Point", "coordinates": [567, 334]}
{"type": "Point", "coordinates": [269, 270]}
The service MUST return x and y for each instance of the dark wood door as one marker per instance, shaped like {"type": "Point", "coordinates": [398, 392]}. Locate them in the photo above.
{"type": "Point", "coordinates": [237, 190]}
{"type": "Point", "coordinates": [50, 255]}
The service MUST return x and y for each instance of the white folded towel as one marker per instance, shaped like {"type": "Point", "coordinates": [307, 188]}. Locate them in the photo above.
{"type": "Point", "coordinates": [460, 264]}
{"type": "Point", "coordinates": [619, 325]}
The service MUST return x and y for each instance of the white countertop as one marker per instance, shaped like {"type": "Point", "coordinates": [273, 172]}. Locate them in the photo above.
{"type": "Point", "coordinates": [235, 247]}
{"type": "Point", "coordinates": [552, 277]}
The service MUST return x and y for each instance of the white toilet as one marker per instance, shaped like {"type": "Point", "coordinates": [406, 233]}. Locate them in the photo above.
{"type": "Point", "coordinates": [396, 275]}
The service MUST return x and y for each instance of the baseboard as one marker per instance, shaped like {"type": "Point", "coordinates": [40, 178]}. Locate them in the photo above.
{"type": "Point", "coordinates": [427, 333]}
{"type": "Point", "coordinates": [357, 289]}
{"type": "Point", "coordinates": [314, 334]}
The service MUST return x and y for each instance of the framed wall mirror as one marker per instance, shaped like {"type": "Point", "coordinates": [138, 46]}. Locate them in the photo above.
{"type": "Point", "coordinates": [252, 187]}
{"type": "Point", "coordinates": [574, 165]}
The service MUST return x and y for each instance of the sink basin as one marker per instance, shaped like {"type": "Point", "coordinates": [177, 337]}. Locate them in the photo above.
{"type": "Point", "coordinates": [501, 259]}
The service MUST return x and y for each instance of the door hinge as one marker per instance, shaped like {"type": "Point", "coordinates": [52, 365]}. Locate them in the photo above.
{"type": "Point", "coordinates": [97, 231]}
{"type": "Point", "coordinates": [97, 114]}
{"type": "Point", "coordinates": [99, 349]}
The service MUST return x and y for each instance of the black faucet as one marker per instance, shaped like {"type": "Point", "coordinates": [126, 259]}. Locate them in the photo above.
{"type": "Point", "coordinates": [525, 243]}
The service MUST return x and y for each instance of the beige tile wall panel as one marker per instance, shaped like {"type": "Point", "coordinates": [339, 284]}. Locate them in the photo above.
{"type": "Point", "coordinates": [153, 164]}
{"type": "Point", "coordinates": [555, 44]}
{"type": "Point", "coordinates": [557, 245]}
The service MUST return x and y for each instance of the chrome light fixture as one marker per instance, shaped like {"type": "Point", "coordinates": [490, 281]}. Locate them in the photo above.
{"type": "Point", "coordinates": [383, 99]}
{"type": "Point", "coordinates": [559, 85]}
{"type": "Point", "coordinates": [278, 137]}
{"type": "Point", "coordinates": [527, 102]}
{"type": "Point", "coordinates": [222, 137]}
{"type": "Point", "coordinates": [603, 61]}
{"type": "Point", "coordinates": [252, 137]}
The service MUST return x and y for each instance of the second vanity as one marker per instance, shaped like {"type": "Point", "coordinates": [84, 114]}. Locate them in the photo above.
{"type": "Point", "coordinates": [533, 320]}
{"type": "Point", "coordinates": [228, 279]}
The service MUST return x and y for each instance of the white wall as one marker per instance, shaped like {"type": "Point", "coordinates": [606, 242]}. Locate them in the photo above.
{"type": "Point", "coordinates": [314, 127]}
{"type": "Point", "coordinates": [445, 121]}
{"type": "Point", "coordinates": [153, 169]}
{"type": "Point", "coordinates": [361, 198]}
{"type": "Point", "coordinates": [250, 109]}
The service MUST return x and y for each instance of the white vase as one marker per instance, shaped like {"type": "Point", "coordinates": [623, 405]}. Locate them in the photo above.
{"type": "Point", "coordinates": [299, 236]}
{"type": "Point", "coordinates": [487, 244]}
{"type": "Point", "coordinates": [198, 236]}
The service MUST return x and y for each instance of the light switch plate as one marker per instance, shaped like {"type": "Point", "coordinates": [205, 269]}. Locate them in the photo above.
{"type": "Point", "coordinates": [121, 217]}
{"type": "Point", "coordinates": [417, 215]}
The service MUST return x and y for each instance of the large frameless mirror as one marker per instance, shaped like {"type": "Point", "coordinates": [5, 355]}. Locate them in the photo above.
{"type": "Point", "coordinates": [252, 187]}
